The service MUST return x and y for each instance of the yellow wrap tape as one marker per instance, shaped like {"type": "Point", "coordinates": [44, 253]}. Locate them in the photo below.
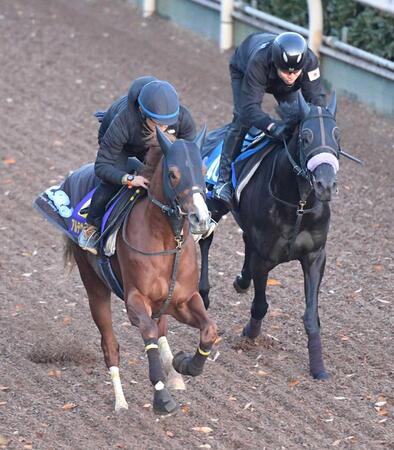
{"type": "Point", "coordinates": [201, 352]}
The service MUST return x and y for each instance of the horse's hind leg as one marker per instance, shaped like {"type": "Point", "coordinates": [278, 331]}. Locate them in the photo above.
{"type": "Point", "coordinates": [100, 306]}
{"type": "Point", "coordinates": [313, 266]}
{"type": "Point", "coordinates": [259, 270]}
{"type": "Point", "coordinates": [174, 379]}
{"type": "Point", "coordinates": [242, 281]}
{"type": "Point", "coordinates": [193, 313]}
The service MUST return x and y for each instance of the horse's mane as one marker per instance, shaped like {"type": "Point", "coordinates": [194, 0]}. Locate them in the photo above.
{"type": "Point", "coordinates": [155, 153]}
{"type": "Point", "coordinates": [290, 113]}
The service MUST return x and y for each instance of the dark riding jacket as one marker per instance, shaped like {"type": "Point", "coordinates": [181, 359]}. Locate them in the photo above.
{"type": "Point", "coordinates": [252, 62]}
{"type": "Point", "coordinates": [121, 133]}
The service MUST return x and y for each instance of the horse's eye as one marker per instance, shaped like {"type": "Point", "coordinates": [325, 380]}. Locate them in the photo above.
{"type": "Point", "coordinates": [307, 136]}
{"type": "Point", "coordinates": [336, 134]}
{"type": "Point", "coordinates": [172, 176]}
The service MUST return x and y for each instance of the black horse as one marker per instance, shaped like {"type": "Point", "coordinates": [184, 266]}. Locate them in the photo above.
{"type": "Point", "coordinates": [284, 213]}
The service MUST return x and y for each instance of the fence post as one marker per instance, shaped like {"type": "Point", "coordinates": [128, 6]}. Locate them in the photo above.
{"type": "Point", "coordinates": [226, 24]}
{"type": "Point", "coordinates": [315, 12]}
{"type": "Point", "coordinates": [148, 7]}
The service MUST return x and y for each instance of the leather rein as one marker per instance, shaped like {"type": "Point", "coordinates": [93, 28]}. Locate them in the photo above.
{"type": "Point", "coordinates": [176, 216]}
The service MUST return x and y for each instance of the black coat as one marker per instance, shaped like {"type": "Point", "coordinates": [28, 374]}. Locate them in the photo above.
{"type": "Point", "coordinates": [120, 134]}
{"type": "Point", "coordinates": [252, 62]}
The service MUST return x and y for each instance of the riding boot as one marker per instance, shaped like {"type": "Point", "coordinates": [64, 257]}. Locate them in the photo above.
{"type": "Point", "coordinates": [223, 189]}
{"type": "Point", "coordinates": [88, 238]}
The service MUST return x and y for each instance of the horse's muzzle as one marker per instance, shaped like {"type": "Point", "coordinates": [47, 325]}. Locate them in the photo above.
{"type": "Point", "coordinates": [324, 182]}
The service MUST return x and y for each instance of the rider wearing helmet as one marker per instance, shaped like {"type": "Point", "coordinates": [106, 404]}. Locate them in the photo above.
{"type": "Point", "coordinates": [150, 102]}
{"type": "Point", "coordinates": [279, 65]}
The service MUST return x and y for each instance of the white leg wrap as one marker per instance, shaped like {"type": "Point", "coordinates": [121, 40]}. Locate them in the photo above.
{"type": "Point", "coordinates": [120, 401]}
{"type": "Point", "coordinates": [174, 379]}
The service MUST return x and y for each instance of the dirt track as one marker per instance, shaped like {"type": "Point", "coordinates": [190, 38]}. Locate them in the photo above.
{"type": "Point", "coordinates": [60, 63]}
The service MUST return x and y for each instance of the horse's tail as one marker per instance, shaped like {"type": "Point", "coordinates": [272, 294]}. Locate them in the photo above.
{"type": "Point", "coordinates": [68, 254]}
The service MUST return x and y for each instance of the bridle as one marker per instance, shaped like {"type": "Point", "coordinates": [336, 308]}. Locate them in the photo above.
{"type": "Point", "coordinates": [176, 217]}
{"type": "Point", "coordinates": [304, 176]}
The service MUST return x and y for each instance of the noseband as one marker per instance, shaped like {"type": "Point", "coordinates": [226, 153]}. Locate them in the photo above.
{"type": "Point", "coordinates": [302, 171]}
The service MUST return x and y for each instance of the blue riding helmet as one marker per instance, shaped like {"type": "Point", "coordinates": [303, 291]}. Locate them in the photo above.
{"type": "Point", "coordinates": [159, 101]}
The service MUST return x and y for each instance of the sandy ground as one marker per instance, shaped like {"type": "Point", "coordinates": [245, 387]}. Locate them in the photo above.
{"type": "Point", "coordinates": [62, 60]}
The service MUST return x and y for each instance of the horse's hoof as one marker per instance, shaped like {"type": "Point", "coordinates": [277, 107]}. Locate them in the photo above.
{"type": "Point", "coordinates": [119, 408]}
{"type": "Point", "coordinates": [163, 403]}
{"type": "Point", "coordinates": [240, 286]}
{"type": "Point", "coordinates": [252, 329]}
{"type": "Point", "coordinates": [321, 376]}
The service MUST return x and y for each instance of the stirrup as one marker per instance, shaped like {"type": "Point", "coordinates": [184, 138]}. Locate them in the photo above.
{"type": "Point", "coordinates": [223, 192]}
{"type": "Point", "coordinates": [89, 243]}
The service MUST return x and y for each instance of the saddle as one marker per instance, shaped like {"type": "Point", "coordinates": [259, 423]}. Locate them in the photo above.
{"type": "Point", "coordinates": [67, 205]}
{"type": "Point", "coordinates": [255, 148]}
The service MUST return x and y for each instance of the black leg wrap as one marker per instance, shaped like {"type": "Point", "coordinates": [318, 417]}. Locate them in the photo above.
{"type": "Point", "coordinates": [163, 403]}
{"type": "Point", "coordinates": [252, 328]}
{"type": "Point", "coordinates": [189, 365]}
{"type": "Point", "coordinates": [316, 364]}
{"type": "Point", "coordinates": [156, 371]}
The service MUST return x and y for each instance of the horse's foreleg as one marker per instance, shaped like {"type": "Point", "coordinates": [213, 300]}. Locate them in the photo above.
{"type": "Point", "coordinates": [242, 282]}
{"type": "Point", "coordinates": [193, 313]}
{"type": "Point", "coordinates": [100, 306]}
{"type": "Point", "coordinates": [174, 379]}
{"type": "Point", "coordinates": [204, 286]}
{"type": "Point", "coordinates": [163, 403]}
{"type": "Point", "coordinates": [313, 266]}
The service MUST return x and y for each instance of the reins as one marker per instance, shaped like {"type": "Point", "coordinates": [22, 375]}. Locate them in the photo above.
{"type": "Point", "coordinates": [179, 239]}
{"type": "Point", "coordinates": [300, 207]}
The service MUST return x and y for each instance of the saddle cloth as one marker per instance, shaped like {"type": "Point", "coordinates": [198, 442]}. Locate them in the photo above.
{"type": "Point", "coordinates": [67, 205]}
{"type": "Point", "coordinates": [255, 148]}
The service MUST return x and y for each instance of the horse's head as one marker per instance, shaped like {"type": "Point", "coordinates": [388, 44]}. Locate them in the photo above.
{"type": "Point", "coordinates": [183, 179]}
{"type": "Point", "coordinates": [318, 140]}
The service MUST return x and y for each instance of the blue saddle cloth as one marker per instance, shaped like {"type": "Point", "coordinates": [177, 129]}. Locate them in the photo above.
{"type": "Point", "coordinates": [67, 205]}
{"type": "Point", "coordinates": [254, 149]}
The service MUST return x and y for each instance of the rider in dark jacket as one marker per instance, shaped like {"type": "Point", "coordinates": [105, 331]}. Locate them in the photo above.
{"type": "Point", "coordinates": [279, 65]}
{"type": "Point", "coordinates": [149, 103]}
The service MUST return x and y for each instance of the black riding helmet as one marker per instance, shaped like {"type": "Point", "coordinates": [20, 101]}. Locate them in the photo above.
{"type": "Point", "coordinates": [289, 52]}
{"type": "Point", "coordinates": [159, 101]}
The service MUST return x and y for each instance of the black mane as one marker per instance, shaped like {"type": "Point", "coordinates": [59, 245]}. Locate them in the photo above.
{"type": "Point", "coordinates": [290, 113]}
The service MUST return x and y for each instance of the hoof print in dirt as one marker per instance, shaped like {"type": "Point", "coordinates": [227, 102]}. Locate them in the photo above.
{"type": "Point", "coordinates": [163, 403]}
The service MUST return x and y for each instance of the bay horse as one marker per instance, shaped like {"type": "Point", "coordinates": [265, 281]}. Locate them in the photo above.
{"type": "Point", "coordinates": [284, 213]}
{"type": "Point", "coordinates": [156, 261]}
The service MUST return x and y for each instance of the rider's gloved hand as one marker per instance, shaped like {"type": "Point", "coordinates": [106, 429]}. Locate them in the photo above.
{"type": "Point", "coordinates": [135, 181]}
{"type": "Point", "coordinates": [277, 130]}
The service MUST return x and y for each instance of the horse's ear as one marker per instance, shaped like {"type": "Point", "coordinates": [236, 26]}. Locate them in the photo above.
{"type": "Point", "coordinates": [163, 140]}
{"type": "Point", "coordinates": [303, 105]}
{"type": "Point", "coordinates": [332, 106]}
{"type": "Point", "coordinates": [199, 140]}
